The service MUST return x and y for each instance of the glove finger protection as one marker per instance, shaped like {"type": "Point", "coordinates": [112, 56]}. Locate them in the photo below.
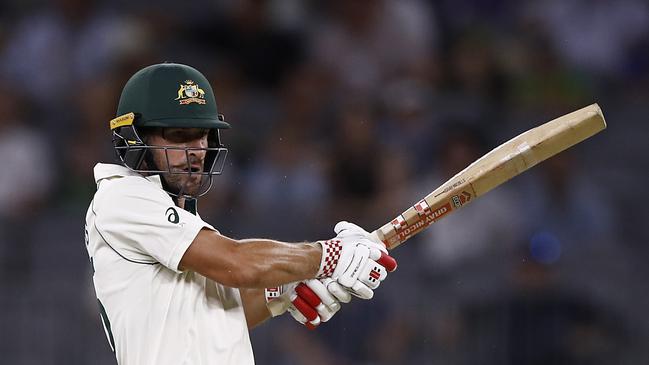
{"type": "Point", "coordinates": [304, 301]}
{"type": "Point", "coordinates": [326, 305]}
{"type": "Point", "coordinates": [337, 290]}
{"type": "Point", "coordinates": [309, 312]}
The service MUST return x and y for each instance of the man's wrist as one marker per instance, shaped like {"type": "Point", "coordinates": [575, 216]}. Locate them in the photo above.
{"type": "Point", "coordinates": [314, 253]}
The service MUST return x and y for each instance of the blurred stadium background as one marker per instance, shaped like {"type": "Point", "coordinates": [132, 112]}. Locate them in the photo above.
{"type": "Point", "coordinates": [351, 110]}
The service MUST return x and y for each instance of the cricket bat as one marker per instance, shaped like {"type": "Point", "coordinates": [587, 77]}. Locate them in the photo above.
{"type": "Point", "coordinates": [489, 171]}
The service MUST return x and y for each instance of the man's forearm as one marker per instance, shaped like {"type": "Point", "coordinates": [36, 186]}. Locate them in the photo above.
{"type": "Point", "coordinates": [251, 263]}
{"type": "Point", "coordinates": [271, 263]}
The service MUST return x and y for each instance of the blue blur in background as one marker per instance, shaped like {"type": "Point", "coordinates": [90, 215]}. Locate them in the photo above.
{"type": "Point", "coordinates": [545, 248]}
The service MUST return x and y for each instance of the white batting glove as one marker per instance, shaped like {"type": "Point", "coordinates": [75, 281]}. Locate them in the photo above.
{"type": "Point", "coordinates": [354, 262]}
{"type": "Point", "coordinates": [338, 291]}
{"type": "Point", "coordinates": [351, 230]}
{"type": "Point", "coordinates": [309, 302]}
{"type": "Point", "coordinates": [347, 229]}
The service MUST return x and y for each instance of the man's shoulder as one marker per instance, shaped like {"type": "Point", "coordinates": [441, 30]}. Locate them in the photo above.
{"type": "Point", "coordinates": [120, 189]}
{"type": "Point", "coordinates": [103, 171]}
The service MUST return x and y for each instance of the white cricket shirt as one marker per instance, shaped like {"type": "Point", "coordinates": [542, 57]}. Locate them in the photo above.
{"type": "Point", "coordinates": [153, 313]}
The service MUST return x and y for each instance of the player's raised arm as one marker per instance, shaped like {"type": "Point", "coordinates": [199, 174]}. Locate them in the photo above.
{"type": "Point", "coordinates": [262, 263]}
{"type": "Point", "coordinates": [252, 263]}
{"type": "Point", "coordinates": [349, 264]}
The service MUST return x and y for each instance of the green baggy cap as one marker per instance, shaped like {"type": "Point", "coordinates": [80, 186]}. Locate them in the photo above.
{"type": "Point", "coordinates": [170, 95]}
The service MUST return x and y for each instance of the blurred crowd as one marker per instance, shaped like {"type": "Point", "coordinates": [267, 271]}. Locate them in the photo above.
{"type": "Point", "coordinates": [350, 110]}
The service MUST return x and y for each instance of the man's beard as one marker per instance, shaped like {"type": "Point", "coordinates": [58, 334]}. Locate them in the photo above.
{"type": "Point", "coordinates": [180, 182]}
{"type": "Point", "coordinates": [183, 184]}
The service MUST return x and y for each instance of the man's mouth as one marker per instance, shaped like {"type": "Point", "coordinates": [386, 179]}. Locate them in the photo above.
{"type": "Point", "coordinates": [194, 170]}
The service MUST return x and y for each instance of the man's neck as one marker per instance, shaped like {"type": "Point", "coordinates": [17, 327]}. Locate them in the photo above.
{"type": "Point", "coordinates": [186, 204]}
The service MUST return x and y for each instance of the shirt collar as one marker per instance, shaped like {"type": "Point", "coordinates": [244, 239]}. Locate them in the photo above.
{"type": "Point", "coordinates": [107, 171]}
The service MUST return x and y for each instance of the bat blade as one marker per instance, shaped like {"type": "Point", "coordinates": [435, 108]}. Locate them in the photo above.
{"type": "Point", "coordinates": [494, 168]}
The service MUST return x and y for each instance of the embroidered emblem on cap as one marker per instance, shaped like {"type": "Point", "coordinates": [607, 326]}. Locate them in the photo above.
{"type": "Point", "coordinates": [189, 92]}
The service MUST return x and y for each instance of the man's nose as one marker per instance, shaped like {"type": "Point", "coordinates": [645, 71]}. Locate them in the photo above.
{"type": "Point", "coordinates": [196, 146]}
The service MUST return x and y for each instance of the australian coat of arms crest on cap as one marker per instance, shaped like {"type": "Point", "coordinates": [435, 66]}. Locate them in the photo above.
{"type": "Point", "coordinates": [189, 92]}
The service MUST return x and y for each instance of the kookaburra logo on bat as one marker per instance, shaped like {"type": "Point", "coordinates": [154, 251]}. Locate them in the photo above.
{"type": "Point", "coordinates": [189, 92]}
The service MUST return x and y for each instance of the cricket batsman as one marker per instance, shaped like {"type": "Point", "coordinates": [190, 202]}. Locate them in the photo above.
{"type": "Point", "coordinates": [171, 288]}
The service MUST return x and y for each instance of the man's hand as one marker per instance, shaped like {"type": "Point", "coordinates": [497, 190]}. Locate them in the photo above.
{"type": "Point", "coordinates": [354, 261]}
{"type": "Point", "coordinates": [350, 230]}
{"type": "Point", "coordinates": [309, 302]}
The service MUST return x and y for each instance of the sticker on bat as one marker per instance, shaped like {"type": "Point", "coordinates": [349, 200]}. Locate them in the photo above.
{"type": "Point", "coordinates": [459, 200]}
{"type": "Point", "coordinates": [435, 215]}
{"type": "Point", "coordinates": [398, 222]}
{"type": "Point", "coordinates": [422, 208]}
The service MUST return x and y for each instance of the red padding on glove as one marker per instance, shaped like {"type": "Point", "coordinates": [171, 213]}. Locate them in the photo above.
{"type": "Point", "coordinates": [310, 326]}
{"type": "Point", "coordinates": [308, 295]}
{"type": "Point", "coordinates": [304, 308]}
{"type": "Point", "coordinates": [387, 261]}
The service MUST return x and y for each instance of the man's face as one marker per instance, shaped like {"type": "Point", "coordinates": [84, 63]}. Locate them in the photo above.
{"type": "Point", "coordinates": [177, 160]}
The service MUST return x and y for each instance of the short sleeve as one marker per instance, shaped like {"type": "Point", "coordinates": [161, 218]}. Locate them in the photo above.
{"type": "Point", "coordinates": [142, 224]}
